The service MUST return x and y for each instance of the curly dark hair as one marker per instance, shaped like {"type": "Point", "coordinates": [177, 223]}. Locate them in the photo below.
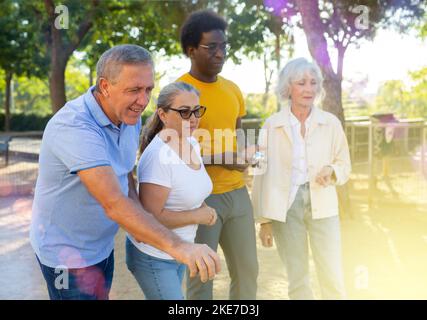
{"type": "Point", "coordinates": [197, 23]}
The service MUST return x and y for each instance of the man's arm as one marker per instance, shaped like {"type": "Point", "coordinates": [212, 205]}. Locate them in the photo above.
{"type": "Point", "coordinates": [102, 184]}
{"type": "Point", "coordinates": [230, 160]}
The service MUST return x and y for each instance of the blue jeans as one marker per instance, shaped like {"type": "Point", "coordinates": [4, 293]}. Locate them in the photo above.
{"type": "Point", "coordinates": [90, 283]}
{"type": "Point", "coordinates": [159, 279]}
{"type": "Point", "coordinates": [325, 243]}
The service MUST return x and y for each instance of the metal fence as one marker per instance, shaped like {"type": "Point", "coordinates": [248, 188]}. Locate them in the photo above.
{"type": "Point", "coordinates": [399, 172]}
{"type": "Point", "coordinates": [19, 162]}
{"type": "Point", "coordinates": [395, 171]}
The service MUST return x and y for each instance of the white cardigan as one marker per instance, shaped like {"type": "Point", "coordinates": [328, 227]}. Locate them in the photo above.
{"type": "Point", "coordinates": [326, 144]}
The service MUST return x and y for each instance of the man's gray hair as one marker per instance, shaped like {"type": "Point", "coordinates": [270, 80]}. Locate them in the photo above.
{"type": "Point", "coordinates": [111, 61]}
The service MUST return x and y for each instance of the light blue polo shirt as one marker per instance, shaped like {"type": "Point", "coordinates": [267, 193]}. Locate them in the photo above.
{"type": "Point", "coordinates": [69, 227]}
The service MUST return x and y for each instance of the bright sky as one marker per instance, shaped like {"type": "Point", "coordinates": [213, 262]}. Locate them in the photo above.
{"type": "Point", "coordinates": [389, 56]}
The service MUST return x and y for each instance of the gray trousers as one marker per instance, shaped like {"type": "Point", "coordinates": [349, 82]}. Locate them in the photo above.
{"type": "Point", "coordinates": [292, 240]}
{"type": "Point", "coordinates": [234, 231]}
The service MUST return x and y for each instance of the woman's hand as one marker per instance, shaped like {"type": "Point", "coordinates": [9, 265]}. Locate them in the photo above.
{"type": "Point", "coordinates": [206, 215]}
{"type": "Point", "coordinates": [325, 176]}
{"type": "Point", "coordinates": [266, 234]}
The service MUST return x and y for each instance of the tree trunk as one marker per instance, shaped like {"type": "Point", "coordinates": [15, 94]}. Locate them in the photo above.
{"type": "Point", "coordinates": [317, 45]}
{"type": "Point", "coordinates": [277, 52]}
{"type": "Point", "coordinates": [58, 61]}
{"type": "Point", "coordinates": [268, 74]}
{"type": "Point", "coordinates": [332, 102]}
{"type": "Point", "coordinates": [278, 61]}
{"type": "Point", "coordinates": [57, 81]}
{"type": "Point", "coordinates": [8, 100]}
{"type": "Point", "coordinates": [333, 95]}
{"type": "Point", "coordinates": [60, 52]}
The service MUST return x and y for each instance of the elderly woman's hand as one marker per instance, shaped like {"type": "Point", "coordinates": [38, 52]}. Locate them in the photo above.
{"type": "Point", "coordinates": [266, 234]}
{"type": "Point", "coordinates": [326, 176]}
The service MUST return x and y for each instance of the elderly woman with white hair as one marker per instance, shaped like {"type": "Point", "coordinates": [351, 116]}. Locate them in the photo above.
{"type": "Point", "coordinates": [294, 195]}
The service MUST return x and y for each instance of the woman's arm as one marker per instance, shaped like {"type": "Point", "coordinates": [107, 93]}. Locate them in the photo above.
{"type": "Point", "coordinates": [132, 189]}
{"type": "Point", "coordinates": [342, 164]}
{"type": "Point", "coordinates": [337, 172]}
{"type": "Point", "coordinates": [153, 198]}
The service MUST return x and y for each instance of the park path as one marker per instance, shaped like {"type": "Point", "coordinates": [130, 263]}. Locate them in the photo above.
{"type": "Point", "coordinates": [384, 249]}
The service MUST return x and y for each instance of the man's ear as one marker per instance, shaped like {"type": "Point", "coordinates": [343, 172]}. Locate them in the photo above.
{"type": "Point", "coordinates": [191, 52]}
{"type": "Point", "coordinates": [104, 87]}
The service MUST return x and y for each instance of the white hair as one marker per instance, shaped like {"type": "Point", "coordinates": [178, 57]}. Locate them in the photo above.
{"type": "Point", "coordinates": [294, 71]}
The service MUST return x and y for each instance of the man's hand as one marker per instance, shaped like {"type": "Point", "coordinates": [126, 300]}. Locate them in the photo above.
{"type": "Point", "coordinates": [232, 161]}
{"type": "Point", "coordinates": [200, 259]}
{"type": "Point", "coordinates": [324, 177]}
{"type": "Point", "coordinates": [266, 235]}
{"type": "Point", "coordinates": [238, 167]}
{"type": "Point", "coordinates": [249, 152]}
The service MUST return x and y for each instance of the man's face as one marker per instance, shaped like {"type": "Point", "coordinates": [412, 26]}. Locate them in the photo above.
{"type": "Point", "coordinates": [130, 93]}
{"type": "Point", "coordinates": [210, 55]}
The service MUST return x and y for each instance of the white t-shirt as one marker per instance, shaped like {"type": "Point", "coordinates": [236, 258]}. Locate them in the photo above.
{"type": "Point", "coordinates": [160, 164]}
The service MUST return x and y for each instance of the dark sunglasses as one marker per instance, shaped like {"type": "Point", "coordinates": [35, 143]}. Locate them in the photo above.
{"type": "Point", "coordinates": [185, 114]}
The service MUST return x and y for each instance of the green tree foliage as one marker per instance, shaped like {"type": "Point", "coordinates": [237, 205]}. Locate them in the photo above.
{"type": "Point", "coordinates": [405, 100]}
{"type": "Point", "coordinates": [258, 107]}
{"type": "Point", "coordinates": [392, 97]}
{"type": "Point", "coordinates": [257, 29]}
{"type": "Point", "coordinates": [418, 102]}
{"type": "Point", "coordinates": [337, 24]}
{"type": "Point", "coordinates": [18, 54]}
{"type": "Point", "coordinates": [31, 94]}
{"type": "Point", "coordinates": [97, 25]}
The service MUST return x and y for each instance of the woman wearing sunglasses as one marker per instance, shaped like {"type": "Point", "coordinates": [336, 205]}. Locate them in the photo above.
{"type": "Point", "coordinates": [173, 185]}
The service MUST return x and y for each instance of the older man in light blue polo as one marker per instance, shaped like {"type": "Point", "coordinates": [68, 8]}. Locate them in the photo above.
{"type": "Point", "coordinates": [85, 188]}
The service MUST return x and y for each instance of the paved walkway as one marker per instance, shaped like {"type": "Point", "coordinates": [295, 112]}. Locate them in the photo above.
{"type": "Point", "coordinates": [384, 246]}
{"type": "Point", "coordinates": [21, 277]}
{"type": "Point", "coordinates": [385, 256]}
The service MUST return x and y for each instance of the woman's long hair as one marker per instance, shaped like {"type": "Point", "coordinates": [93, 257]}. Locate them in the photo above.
{"type": "Point", "coordinates": [154, 125]}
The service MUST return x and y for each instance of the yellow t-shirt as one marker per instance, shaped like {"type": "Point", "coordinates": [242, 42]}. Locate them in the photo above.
{"type": "Point", "coordinates": [224, 104]}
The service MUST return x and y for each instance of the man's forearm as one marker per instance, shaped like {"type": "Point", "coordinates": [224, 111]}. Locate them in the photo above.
{"type": "Point", "coordinates": [103, 185]}
{"type": "Point", "coordinates": [229, 160]}
{"type": "Point", "coordinates": [143, 226]}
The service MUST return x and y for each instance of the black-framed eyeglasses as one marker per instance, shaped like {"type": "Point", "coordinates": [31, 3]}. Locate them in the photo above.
{"type": "Point", "coordinates": [186, 113]}
{"type": "Point", "coordinates": [213, 47]}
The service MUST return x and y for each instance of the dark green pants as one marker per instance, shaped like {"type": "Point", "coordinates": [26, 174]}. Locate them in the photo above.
{"type": "Point", "coordinates": [234, 231]}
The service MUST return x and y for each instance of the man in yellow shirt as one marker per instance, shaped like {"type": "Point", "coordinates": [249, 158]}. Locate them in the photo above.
{"type": "Point", "coordinates": [204, 41]}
